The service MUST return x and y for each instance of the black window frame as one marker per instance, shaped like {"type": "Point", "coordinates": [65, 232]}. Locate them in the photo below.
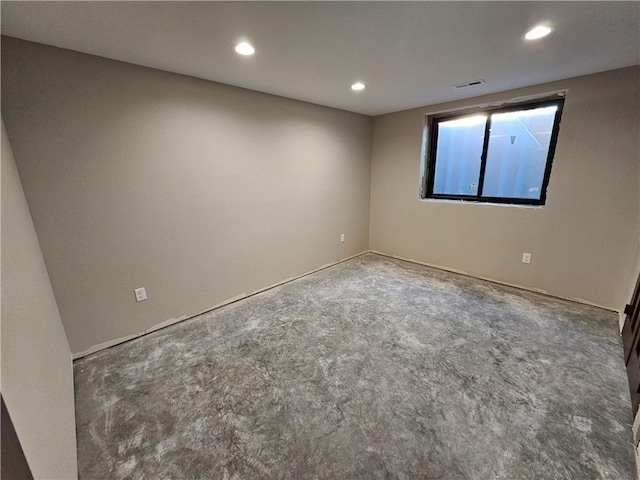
{"type": "Point", "coordinates": [431, 140]}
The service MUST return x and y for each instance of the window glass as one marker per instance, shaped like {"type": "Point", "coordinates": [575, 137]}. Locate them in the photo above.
{"type": "Point", "coordinates": [460, 144]}
{"type": "Point", "coordinates": [517, 154]}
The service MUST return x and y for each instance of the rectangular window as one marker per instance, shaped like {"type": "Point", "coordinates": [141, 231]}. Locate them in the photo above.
{"type": "Point", "coordinates": [493, 155]}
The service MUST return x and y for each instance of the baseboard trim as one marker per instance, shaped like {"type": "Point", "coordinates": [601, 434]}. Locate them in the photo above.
{"type": "Point", "coordinates": [499, 282]}
{"type": "Point", "coordinates": [173, 321]}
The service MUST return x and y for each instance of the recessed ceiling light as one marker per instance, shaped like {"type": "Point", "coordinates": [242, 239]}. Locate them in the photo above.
{"type": "Point", "coordinates": [245, 48]}
{"type": "Point", "coordinates": [358, 86]}
{"type": "Point", "coordinates": [539, 31]}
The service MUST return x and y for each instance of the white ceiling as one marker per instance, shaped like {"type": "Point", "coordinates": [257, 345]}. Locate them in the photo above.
{"type": "Point", "coordinates": [408, 53]}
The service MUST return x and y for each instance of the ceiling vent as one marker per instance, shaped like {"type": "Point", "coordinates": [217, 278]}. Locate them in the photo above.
{"type": "Point", "coordinates": [473, 83]}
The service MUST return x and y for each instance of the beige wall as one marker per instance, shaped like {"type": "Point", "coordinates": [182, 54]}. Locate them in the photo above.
{"type": "Point", "coordinates": [201, 192]}
{"type": "Point", "coordinates": [198, 191]}
{"type": "Point", "coordinates": [584, 241]}
{"type": "Point", "coordinates": [37, 376]}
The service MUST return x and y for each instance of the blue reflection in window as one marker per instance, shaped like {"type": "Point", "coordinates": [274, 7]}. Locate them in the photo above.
{"type": "Point", "coordinates": [459, 148]}
{"type": "Point", "coordinates": [517, 153]}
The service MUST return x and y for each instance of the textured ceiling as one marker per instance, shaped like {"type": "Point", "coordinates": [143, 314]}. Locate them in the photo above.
{"type": "Point", "coordinates": [408, 53]}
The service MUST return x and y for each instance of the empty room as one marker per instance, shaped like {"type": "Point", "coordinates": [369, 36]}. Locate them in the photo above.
{"type": "Point", "coordinates": [320, 240]}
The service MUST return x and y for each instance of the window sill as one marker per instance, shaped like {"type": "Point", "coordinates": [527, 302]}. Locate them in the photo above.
{"type": "Point", "coordinates": [490, 204]}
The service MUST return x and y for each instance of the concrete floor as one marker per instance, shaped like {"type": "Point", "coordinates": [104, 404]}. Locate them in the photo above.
{"type": "Point", "coordinates": [374, 368]}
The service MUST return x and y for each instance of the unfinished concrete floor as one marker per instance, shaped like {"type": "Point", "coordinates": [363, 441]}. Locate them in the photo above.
{"type": "Point", "coordinates": [374, 368]}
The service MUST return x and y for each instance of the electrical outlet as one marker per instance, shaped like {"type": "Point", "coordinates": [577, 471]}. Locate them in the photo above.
{"type": "Point", "coordinates": [342, 237]}
{"type": "Point", "coordinates": [141, 294]}
{"type": "Point", "coordinates": [526, 258]}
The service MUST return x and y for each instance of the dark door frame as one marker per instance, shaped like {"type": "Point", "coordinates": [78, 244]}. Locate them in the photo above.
{"type": "Point", "coordinates": [13, 463]}
{"type": "Point", "coordinates": [631, 344]}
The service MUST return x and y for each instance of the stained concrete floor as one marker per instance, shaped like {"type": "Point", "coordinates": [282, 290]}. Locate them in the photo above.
{"type": "Point", "coordinates": [374, 368]}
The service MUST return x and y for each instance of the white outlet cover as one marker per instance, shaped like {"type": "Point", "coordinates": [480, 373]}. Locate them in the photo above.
{"type": "Point", "coordinates": [342, 237]}
{"type": "Point", "coordinates": [141, 294]}
{"type": "Point", "coordinates": [526, 258]}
